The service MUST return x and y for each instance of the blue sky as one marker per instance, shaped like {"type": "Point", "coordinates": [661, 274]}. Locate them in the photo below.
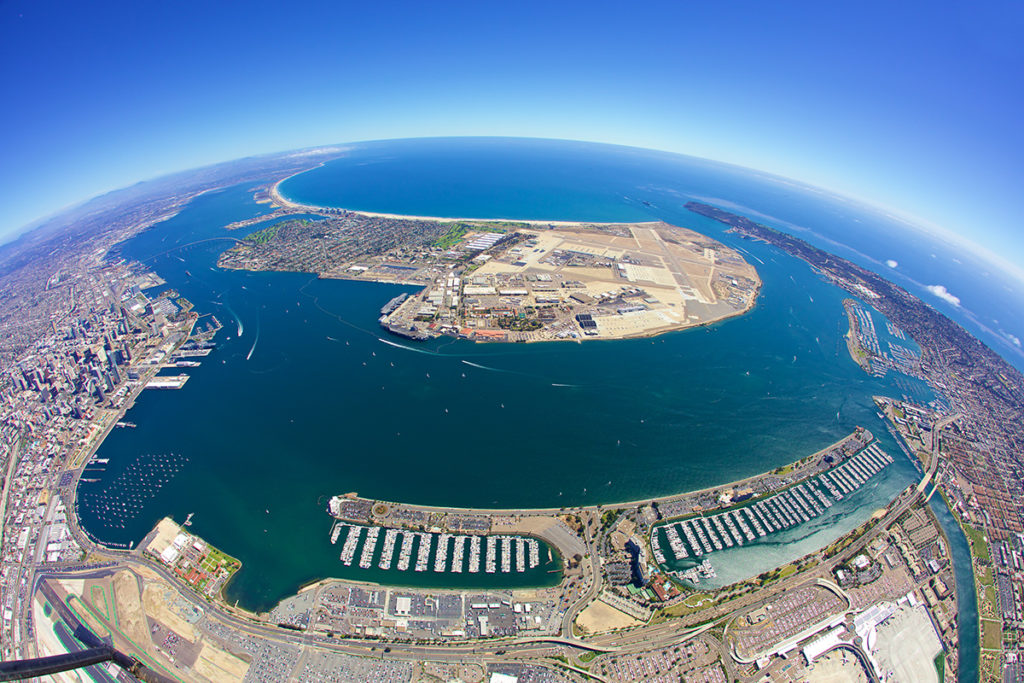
{"type": "Point", "coordinates": [911, 106]}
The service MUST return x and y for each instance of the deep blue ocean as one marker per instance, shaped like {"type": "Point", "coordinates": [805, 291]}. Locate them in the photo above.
{"type": "Point", "coordinates": [302, 400]}
{"type": "Point", "coordinates": [545, 179]}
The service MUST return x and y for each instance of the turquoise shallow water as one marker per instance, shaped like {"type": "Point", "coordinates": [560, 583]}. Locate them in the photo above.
{"type": "Point", "coordinates": [307, 402]}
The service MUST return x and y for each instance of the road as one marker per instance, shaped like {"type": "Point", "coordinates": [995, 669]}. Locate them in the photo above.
{"type": "Point", "coordinates": [5, 494]}
{"type": "Point", "coordinates": [592, 575]}
{"type": "Point", "coordinates": [645, 638]}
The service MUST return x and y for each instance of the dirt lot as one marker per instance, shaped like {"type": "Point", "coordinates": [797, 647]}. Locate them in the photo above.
{"type": "Point", "coordinates": [599, 617]}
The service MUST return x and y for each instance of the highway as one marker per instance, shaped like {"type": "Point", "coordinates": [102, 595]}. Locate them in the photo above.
{"type": "Point", "coordinates": [537, 649]}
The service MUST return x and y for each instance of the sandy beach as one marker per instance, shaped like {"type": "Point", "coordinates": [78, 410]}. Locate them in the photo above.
{"type": "Point", "coordinates": [671, 316]}
{"type": "Point", "coordinates": [282, 201]}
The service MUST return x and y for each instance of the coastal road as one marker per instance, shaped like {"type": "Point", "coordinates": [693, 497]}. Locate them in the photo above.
{"type": "Point", "coordinates": [645, 638]}
{"type": "Point", "coordinates": [594, 579]}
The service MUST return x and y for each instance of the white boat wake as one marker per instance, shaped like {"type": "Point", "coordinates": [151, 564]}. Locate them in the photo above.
{"type": "Point", "coordinates": [238, 321]}
{"type": "Point", "coordinates": [254, 342]}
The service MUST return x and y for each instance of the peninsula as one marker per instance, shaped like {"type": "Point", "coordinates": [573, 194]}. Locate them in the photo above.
{"type": "Point", "coordinates": [854, 601]}
{"type": "Point", "coordinates": [524, 281]}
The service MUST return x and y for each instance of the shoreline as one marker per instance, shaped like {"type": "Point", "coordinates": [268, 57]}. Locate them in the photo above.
{"type": "Point", "coordinates": [280, 200]}
{"type": "Point", "coordinates": [524, 511]}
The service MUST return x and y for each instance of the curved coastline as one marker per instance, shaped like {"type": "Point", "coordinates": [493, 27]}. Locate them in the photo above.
{"type": "Point", "coordinates": [279, 200]}
{"type": "Point", "coordinates": [532, 519]}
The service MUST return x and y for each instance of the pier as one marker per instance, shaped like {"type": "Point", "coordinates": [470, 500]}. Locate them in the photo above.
{"type": "Point", "coordinates": [167, 382]}
{"type": "Point", "coordinates": [424, 550]}
{"type": "Point", "coordinates": [797, 504]}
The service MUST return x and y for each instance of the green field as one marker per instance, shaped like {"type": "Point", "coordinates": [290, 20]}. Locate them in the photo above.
{"type": "Point", "coordinates": [991, 634]}
{"type": "Point", "coordinates": [458, 230]}
{"type": "Point", "coordinates": [266, 234]}
{"type": "Point", "coordinates": [978, 543]}
{"type": "Point", "coordinates": [454, 235]}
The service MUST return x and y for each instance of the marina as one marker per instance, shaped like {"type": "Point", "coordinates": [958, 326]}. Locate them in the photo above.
{"type": "Point", "coordinates": [366, 558]}
{"type": "Point", "coordinates": [124, 498]}
{"type": "Point", "coordinates": [424, 551]}
{"type": "Point", "coordinates": [441, 552]}
{"type": "Point", "coordinates": [348, 551]}
{"type": "Point", "coordinates": [798, 504]}
{"type": "Point", "coordinates": [389, 549]}
{"type": "Point", "coordinates": [457, 553]}
{"type": "Point", "coordinates": [441, 556]}
{"type": "Point", "coordinates": [659, 450]}
{"type": "Point", "coordinates": [474, 554]}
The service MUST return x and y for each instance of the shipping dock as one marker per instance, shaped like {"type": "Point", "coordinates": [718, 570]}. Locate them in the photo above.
{"type": "Point", "coordinates": [167, 382]}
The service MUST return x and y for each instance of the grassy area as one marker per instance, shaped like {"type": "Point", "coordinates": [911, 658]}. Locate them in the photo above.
{"type": "Point", "coordinates": [985, 576]}
{"type": "Point", "coordinates": [265, 235]}
{"type": "Point", "coordinates": [991, 667]}
{"type": "Point", "coordinates": [698, 600]}
{"type": "Point", "coordinates": [991, 634]}
{"type": "Point", "coordinates": [940, 666]}
{"type": "Point", "coordinates": [990, 599]}
{"type": "Point", "coordinates": [98, 595]}
{"type": "Point", "coordinates": [587, 656]}
{"type": "Point", "coordinates": [455, 233]}
{"type": "Point", "coordinates": [608, 518]}
{"type": "Point", "coordinates": [788, 570]}
{"type": "Point", "coordinates": [458, 230]}
{"type": "Point", "coordinates": [773, 575]}
{"type": "Point", "coordinates": [681, 609]}
{"type": "Point", "coordinates": [987, 604]}
{"type": "Point", "coordinates": [979, 545]}
{"type": "Point", "coordinates": [836, 547]}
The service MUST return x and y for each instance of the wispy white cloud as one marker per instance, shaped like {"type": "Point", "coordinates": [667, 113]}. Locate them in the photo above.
{"type": "Point", "coordinates": [892, 263]}
{"type": "Point", "coordinates": [317, 150]}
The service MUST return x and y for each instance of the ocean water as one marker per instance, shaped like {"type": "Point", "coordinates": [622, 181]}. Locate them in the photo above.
{"type": "Point", "coordinates": [502, 178]}
{"type": "Point", "coordinates": [304, 398]}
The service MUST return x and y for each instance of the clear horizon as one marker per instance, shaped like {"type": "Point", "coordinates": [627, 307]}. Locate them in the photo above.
{"type": "Point", "coordinates": [870, 104]}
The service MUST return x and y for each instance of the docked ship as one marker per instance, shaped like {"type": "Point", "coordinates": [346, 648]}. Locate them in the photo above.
{"type": "Point", "coordinates": [391, 306]}
{"type": "Point", "coordinates": [403, 330]}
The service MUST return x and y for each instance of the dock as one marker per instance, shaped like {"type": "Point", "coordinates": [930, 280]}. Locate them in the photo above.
{"type": "Point", "coordinates": [798, 504]}
{"type": "Point", "coordinates": [167, 382]}
{"type": "Point", "coordinates": [443, 552]}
